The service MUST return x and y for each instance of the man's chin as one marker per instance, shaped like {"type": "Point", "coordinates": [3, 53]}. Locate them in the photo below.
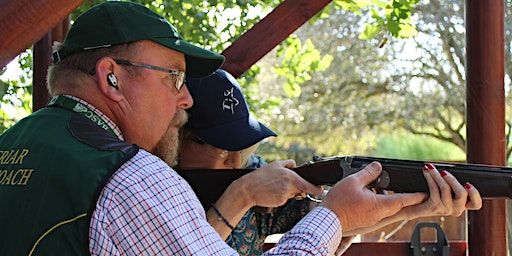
{"type": "Point", "coordinates": [167, 147]}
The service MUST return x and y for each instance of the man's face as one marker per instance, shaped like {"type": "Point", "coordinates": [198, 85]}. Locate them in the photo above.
{"type": "Point", "coordinates": [152, 99]}
{"type": "Point", "coordinates": [167, 147]}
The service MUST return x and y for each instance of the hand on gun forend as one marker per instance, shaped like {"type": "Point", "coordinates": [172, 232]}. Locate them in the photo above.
{"type": "Point", "coordinates": [447, 197]}
{"type": "Point", "coordinates": [359, 207]}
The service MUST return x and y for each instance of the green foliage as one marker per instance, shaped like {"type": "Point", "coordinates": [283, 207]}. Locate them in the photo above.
{"type": "Point", "coordinates": [298, 61]}
{"type": "Point", "coordinates": [271, 151]}
{"type": "Point", "coordinates": [407, 146]}
{"type": "Point", "coordinates": [251, 92]}
{"type": "Point", "coordinates": [211, 24]}
{"type": "Point", "coordinates": [16, 94]}
{"type": "Point", "coordinates": [401, 145]}
{"type": "Point", "coordinates": [384, 16]}
{"type": "Point", "coordinates": [416, 84]}
{"type": "Point", "coordinates": [215, 25]}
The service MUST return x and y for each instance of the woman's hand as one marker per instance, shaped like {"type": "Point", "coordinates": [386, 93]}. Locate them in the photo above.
{"type": "Point", "coordinates": [447, 197]}
{"type": "Point", "coordinates": [273, 184]}
{"type": "Point", "coordinates": [268, 186]}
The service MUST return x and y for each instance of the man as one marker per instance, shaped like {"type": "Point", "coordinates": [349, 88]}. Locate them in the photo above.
{"type": "Point", "coordinates": [78, 177]}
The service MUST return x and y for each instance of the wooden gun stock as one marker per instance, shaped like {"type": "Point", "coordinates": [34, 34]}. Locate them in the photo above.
{"type": "Point", "coordinates": [398, 176]}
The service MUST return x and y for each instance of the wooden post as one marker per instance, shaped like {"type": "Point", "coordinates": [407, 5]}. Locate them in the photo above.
{"type": "Point", "coordinates": [26, 21]}
{"type": "Point", "coordinates": [42, 60]}
{"type": "Point", "coordinates": [287, 17]}
{"type": "Point", "coordinates": [486, 116]}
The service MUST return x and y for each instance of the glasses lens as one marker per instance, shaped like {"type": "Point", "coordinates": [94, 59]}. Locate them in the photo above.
{"type": "Point", "coordinates": [180, 80]}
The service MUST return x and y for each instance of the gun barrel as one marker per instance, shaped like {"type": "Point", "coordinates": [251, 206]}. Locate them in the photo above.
{"type": "Point", "coordinates": [403, 176]}
{"type": "Point", "coordinates": [406, 175]}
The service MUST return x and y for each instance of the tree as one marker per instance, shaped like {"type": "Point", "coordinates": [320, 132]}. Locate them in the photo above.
{"type": "Point", "coordinates": [416, 84]}
{"type": "Point", "coordinates": [215, 25]}
{"type": "Point", "coordinates": [16, 94]}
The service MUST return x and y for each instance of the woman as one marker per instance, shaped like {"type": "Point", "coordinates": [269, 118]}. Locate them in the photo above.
{"type": "Point", "coordinates": [221, 133]}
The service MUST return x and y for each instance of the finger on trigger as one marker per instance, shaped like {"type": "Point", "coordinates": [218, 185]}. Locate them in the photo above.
{"type": "Point", "coordinates": [304, 186]}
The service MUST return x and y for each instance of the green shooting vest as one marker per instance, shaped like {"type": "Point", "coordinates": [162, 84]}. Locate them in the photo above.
{"type": "Point", "coordinates": [53, 166]}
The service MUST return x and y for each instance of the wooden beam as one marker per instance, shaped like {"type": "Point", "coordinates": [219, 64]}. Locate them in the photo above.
{"type": "Point", "coordinates": [41, 61]}
{"type": "Point", "coordinates": [268, 33]}
{"type": "Point", "coordinates": [485, 62]}
{"type": "Point", "coordinates": [457, 248]}
{"type": "Point", "coordinates": [26, 21]}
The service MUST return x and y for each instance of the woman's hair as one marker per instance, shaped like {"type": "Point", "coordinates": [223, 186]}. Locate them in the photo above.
{"type": "Point", "coordinates": [75, 68]}
{"type": "Point", "coordinates": [246, 153]}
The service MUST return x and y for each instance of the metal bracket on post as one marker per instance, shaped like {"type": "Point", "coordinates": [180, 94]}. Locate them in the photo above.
{"type": "Point", "coordinates": [441, 248]}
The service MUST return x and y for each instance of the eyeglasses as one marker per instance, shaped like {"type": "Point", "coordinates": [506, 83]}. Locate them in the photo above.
{"type": "Point", "coordinates": [180, 75]}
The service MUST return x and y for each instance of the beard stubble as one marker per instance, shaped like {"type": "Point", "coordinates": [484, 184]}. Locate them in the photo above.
{"type": "Point", "coordinates": [167, 147]}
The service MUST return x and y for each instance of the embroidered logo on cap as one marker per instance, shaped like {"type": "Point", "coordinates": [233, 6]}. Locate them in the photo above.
{"type": "Point", "coordinates": [229, 102]}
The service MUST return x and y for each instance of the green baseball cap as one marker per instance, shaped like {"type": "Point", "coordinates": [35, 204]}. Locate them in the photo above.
{"type": "Point", "coordinates": [114, 23]}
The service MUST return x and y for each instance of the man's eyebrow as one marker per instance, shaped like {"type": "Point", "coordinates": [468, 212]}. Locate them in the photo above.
{"type": "Point", "coordinates": [177, 66]}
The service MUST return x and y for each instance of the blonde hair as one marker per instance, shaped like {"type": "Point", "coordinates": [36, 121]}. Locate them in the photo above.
{"type": "Point", "coordinates": [76, 68]}
{"type": "Point", "coordinates": [246, 153]}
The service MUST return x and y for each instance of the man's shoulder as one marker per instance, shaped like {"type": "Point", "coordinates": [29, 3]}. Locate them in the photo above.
{"type": "Point", "coordinates": [143, 167]}
{"type": "Point", "coordinates": [144, 163]}
{"type": "Point", "coordinates": [144, 175]}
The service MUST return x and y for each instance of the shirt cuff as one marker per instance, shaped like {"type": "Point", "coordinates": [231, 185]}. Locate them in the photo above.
{"type": "Point", "coordinates": [319, 233]}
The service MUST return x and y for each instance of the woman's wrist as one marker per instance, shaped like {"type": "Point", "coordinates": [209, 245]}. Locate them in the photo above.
{"type": "Point", "coordinates": [229, 208]}
{"type": "Point", "coordinates": [242, 188]}
{"type": "Point", "coordinates": [221, 217]}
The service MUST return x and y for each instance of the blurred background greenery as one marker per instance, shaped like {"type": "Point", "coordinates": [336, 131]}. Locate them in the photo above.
{"type": "Point", "coordinates": [369, 77]}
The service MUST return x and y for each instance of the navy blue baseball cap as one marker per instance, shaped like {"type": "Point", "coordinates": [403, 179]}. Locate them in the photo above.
{"type": "Point", "coordinates": [220, 116]}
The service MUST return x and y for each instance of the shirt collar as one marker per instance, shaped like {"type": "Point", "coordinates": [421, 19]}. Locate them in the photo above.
{"type": "Point", "coordinates": [110, 123]}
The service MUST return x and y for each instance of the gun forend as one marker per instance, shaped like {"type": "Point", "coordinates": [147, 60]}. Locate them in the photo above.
{"type": "Point", "coordinates": [406, 175]}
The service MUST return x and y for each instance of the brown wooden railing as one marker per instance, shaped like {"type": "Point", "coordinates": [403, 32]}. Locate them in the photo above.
{"type": "Point", "coordinates": [457, 248]}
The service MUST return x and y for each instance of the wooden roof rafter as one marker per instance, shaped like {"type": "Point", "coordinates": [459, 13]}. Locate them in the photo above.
{"type": "Point", "coordinates": [27, 21]}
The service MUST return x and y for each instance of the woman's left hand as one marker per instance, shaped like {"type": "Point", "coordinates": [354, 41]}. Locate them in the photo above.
{"type": "Point", "coordinates": [447, 197]}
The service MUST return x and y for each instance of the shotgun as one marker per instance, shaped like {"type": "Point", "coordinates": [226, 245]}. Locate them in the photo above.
{"type": "Point", "coordinates": [402, 176]}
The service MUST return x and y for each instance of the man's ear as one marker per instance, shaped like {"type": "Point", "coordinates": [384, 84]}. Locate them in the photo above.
{"type": "Point", "coordinates": [108, 79]}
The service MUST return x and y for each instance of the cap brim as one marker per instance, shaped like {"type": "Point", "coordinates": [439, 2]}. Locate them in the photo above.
{"type": "Point", "coordinates": [236, 135]}
{"type": "Point", "coordinates": [200, 62]}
